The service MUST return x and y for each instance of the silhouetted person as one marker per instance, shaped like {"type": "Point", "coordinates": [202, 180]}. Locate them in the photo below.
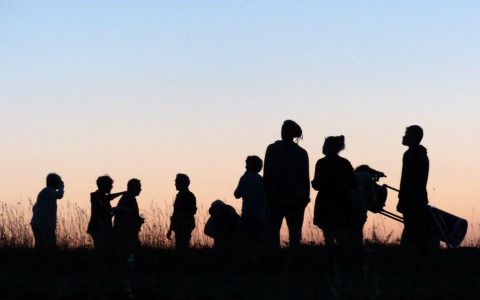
{"type": "Point", "coordinates": [128, 222]}
{"type": "Point", "coordinates": [412, 198]}
{"type": "Point", "coordinates": [287, 184]}
{"type": "Point", "coordinates": [363, 197]}
{"type": "Point", "coordinates": [182, 221]}
{"type": "Point", "coordinates": [223, 225]}
{"type": "Point", "coordinates": [100, 226]}
{"type": "Point", "coordinates": [334, 179]}
{"type": "Point", "coordinates": [250, 189]}
{"type": "Point", "coordinates": [44, 219]}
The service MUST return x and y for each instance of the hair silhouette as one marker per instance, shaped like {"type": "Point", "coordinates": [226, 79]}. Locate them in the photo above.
{"type": "Point", "coordinates": [254, 164]}
{"type": "Point", "coordinates": [104, 182]}
{"type": "Point", "coordinates": [416, 133]}
{"type": "Point", "coordinates": [291, 130]}
{"type": "Point", "coordinates": [333, 144]}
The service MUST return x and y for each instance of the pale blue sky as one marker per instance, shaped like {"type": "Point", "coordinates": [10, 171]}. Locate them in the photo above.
{"type": "Point", "coordinates": [151, 88]}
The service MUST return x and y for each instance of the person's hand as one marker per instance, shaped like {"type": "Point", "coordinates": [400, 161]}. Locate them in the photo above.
{"type": "Point", "coordinates": [399, 208]}
{"type": "Point", "coordinates": [169, 234]}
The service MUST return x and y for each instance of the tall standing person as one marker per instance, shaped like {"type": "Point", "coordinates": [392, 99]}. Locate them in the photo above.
{"type": "Point", "coordinates": [287, 184]}
{"type": "Point", "coordinates": [182, 221]}
{"type": "Point", "coordinates": [44, 219]}
{"type": "Point", "coordinates": [413, 198]}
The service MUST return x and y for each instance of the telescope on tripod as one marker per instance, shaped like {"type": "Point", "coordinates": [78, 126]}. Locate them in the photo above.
{"type": "Point", "coordinates": [452, 229]}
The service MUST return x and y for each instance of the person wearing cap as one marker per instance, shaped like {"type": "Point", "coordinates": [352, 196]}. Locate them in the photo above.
{"type": "Point", "coordinates": [363, 197]}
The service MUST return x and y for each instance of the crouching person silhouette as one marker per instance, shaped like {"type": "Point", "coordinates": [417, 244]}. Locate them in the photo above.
{"type": "Point", "coordinates": [44, 219]}
{"type": "Point", "coordinates": [100, 226]}
{"type": "Point", "coordinates": [223, 225]}
{"type": "Point", "coordinates": [182, 221]}
{"type": "Point", "coordinates": [363, 197]}
{"type": "Point", "coordinates": [128, 222]}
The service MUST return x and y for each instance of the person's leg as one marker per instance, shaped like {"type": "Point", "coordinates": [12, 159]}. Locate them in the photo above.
{"type": "Point", "coordinates": [275, 219]}
{"type": "Point", "coordinates": [182, 239]}
{"type": "Point", "coordinates": [247, 231]}
{"type": "Point", "coordinates": [357, 235]}
{"type": "Point", "coordinates": [330, 250]}
{"type": "Point", "coordinates": [260, 231]}
{"type": "Point", "coordinates": [99, 241]}
{"type": "Point", "coordinates": [52, 240]}
{"type": "Point", "coordinates": [432, 230]}
{"type": "Point", "coordinates": [349, 246]}
{"type": "Point", "coordinates": [39, 239]}
{"type": "Point", "coordinates": [294, 220]}
{"type": "Point", "coordinates": [414, 234]}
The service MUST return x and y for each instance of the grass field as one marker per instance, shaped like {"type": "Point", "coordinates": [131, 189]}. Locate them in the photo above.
{"type": "Point", "coordinates": [78, 272]}
{"type": "Point", "coordinates": [72, 220]}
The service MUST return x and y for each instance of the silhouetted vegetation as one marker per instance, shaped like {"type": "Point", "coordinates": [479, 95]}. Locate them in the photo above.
{"type": "Point", "coordinates": [78, 272]}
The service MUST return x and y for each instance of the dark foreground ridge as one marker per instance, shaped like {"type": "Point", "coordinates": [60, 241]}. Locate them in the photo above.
{"type": "Point", "coordinates": [301, 273]}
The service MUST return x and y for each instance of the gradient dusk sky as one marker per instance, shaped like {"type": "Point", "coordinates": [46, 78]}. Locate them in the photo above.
{"type": "Point", "coordinates": [149, 89]}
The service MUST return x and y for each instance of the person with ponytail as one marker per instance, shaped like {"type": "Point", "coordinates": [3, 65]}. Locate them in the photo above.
{"type": "Point", "coordinates": [286, 182]}
{"type": "Point", "coordinates": [334, 179]}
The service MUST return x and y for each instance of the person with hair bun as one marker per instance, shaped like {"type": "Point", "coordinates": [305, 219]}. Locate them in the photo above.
{"type": "Point", "coordinates": [334, 179]}
{"type": "Point", "coordinates": [287, 184]}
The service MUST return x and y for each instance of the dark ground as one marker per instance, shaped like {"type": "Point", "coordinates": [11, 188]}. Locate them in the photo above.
{"type": "Point", "coordinates": [205, 274]}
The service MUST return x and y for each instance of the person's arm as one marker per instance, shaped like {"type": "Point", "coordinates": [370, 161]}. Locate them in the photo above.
{"type": "Point", "coordinates": [59, 192]}
{"type": "Point", "coordinates": [316, 177]}
{"type": "Point", "coordinates": [306, 177]}
{"type": "Point", "coordinates": [173, 217]}
{"type": "Point", "coordinates": [267, 172]}
{"type": "Point", "coordinates": [110, 197]}
{"type": "Point", "coordinates": [239, 190]}
{"type": "Point", "coordinates": [420, 176]}
{"type": "Point", "coordinates": [351, 180]}
{"type": "Point", "coordinates": [192, 205]}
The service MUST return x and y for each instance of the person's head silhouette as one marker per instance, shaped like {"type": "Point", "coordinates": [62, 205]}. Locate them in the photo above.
{"type": "Point", "coordinates": [413, 136]}
{"type": "Point", "coordinates": [105, 184]}
{"type": "Point", "coordinates": [291, 130]}
{"type": "Point", "coordinates": [54, 180]}
{"type": "Point", "coordinates": [253, 164]}
{"type": "Point", "coordinates": [182, 182]}
{"type": "Point", "coordinates": [134, 187]}
{"type": "Point", "coordinates": [333, 145]}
